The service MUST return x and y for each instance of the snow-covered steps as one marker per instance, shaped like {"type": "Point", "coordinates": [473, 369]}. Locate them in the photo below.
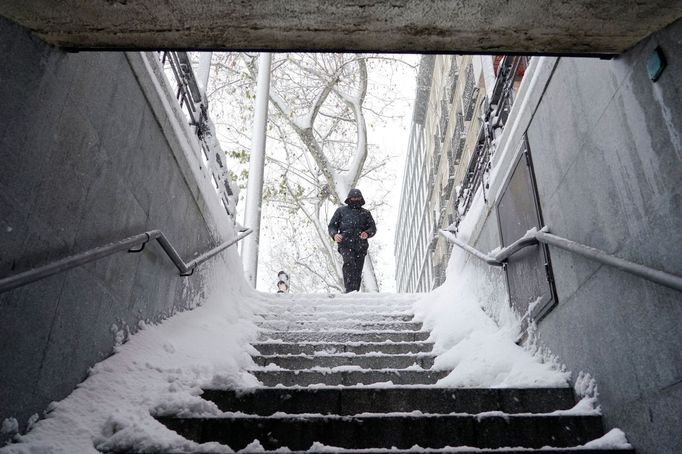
{"type": "Point", "coordinates": [336, 360]}
{"type": "Point", "coordinates": [349, 308]}
{"type": "Point", "coordinates": [400, 430]}
{"type": "Point", "coordinates": [344, 336]}
{"type": "Point", "coordinates": [355, 374]}
{"type": "Point", "coordinates": [319, 448]}
{"type": "Point", "coordinates": [358, 348]}
{"type": "Point", "coordinates": [358, 400]}
{"type": "Point", "coordinates": [339, 315]}
{"type": "Point", "coordinates": [352, 324]}
{"type": "Point", "coordinates": [348, 376]}
{"type": "Point", "coordinates": [340, 301]}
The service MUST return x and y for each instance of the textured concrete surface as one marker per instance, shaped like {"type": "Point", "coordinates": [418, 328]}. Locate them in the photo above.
{"type": "Point", "coordinates": [325, 450]}
{"type": "Point", "coordinates": [364, 361]}
{"type": "Point", "coordinates": [287, 348]}
{"type": "Point", "coordinates": [83, 162]}
{"type": "Point", "coordinates": [606, 146]}
{"type": "Point", "coordinates": [353, 401]}
{"type": "Point", "coordinates": [285, 325]}
{"type": "Point", "coordinates": [591, 26]}
{"type": "Point", "coordinates": [342, 317]}
{"type": "Point", "coordinates": [349, 378]}
{"type": "Point", "coordinates": [402, 431]}
{"type": "Point", "coordinates": [341, 336]}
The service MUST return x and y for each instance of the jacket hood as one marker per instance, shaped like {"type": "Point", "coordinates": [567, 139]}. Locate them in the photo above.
{"type": "Point", "coordinates": [354, 193]}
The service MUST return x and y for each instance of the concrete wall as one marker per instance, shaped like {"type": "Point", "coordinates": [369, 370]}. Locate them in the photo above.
{"type": "Point", "coordinates": [556, 26]}
{"type": "Point", "coordinates": [85, 159]}
{"type": "Point", "coordinates": [606, 146]}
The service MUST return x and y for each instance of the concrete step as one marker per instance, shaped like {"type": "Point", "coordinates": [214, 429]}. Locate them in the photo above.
{"type": "Point", "coordinates": [359, 348]}
{"type": "Point", "coordinates": [450, 450]}
{"type": "Point", "coordinates": [345, 336]}
{"type": "Point", "coordinates": [392, 430]}
{"type": "Point", "coordinates": [354, 324]}
{"type": "Point", "coordinates": [459, 450]}
{"type": "Point", "coordinates": [353, 401]}
{"type": "Point", "coordinates": [340, 316]}
{"type": "Point", "coordinates": [365, 298]}
{"type": "Point", "coordinates": [364, 361]}
{"type": "Point", "coordinates": [348, 377]}
{"type": "Point", "coordinates": [337, 307]}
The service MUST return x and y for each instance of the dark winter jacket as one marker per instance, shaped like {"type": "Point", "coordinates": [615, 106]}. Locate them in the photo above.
{"type": "Point", "coordinates": [350, 221]}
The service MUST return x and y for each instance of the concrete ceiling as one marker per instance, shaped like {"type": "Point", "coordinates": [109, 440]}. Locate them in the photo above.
{"type": "Point", "coordinates": [481, 26]}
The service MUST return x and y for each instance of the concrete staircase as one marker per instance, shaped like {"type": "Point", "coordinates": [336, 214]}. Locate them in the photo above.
{"type": "Point", "coordinates": [355, 374]}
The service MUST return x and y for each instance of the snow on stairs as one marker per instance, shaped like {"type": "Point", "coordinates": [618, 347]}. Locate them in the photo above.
{"type": "Point", "coordinates": [355, 373]}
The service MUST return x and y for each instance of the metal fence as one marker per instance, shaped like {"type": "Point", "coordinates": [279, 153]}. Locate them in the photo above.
{"type": "Point", "coordinates": [177, 67]}
{"type": "Point", "coordinates": [496, 111]}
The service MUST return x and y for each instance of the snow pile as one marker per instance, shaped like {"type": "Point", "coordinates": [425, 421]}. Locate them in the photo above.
{"type": "Point", "coordinates": [159, 370]}
{"type": "Point", "coordinates": [614, 439]}
{"type": "Point", "coordinates": [9, 426]}
{"type": "Point", "coordinates": [480, 352]}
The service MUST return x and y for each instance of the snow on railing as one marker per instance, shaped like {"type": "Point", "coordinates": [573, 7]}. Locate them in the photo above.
{"type": "Point", "coordinates": [499, 256]}
{"type": "Point", "coordinates": [193, 103]}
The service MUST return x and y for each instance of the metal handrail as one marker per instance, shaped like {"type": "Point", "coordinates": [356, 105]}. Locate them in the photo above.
{"type": "Point", "coordinates": [534, 236]}
{"type": "Point", "coordinates": [126, 244]}
{"type": "Point", "coordinates": [471, 250]}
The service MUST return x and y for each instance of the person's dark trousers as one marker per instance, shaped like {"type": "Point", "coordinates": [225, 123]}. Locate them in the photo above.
{"type": "Point", "coordinates": [353, 262]}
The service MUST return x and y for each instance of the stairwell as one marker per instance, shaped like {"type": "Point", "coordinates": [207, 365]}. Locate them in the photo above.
{"type": "Point", "coordinates": [356, 374]}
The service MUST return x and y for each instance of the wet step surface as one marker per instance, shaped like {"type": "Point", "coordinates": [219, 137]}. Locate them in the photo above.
{"type": "Point", "coordinates": [344, 336]}
{"type": "Point", "coordinates": [354, 324]}
{"type": "Point", "coordinates": [391, 430]}
{"type": "Point", "coordinates": [352, 401]}
{"type": "Point", "coordinates": [337, 360]}
{"type": "Point", "coordinates": [359, 348]}
{"type": "Point", "coordinates": [309, 377]}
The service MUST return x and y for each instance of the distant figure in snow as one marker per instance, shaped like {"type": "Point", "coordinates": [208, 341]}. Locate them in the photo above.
{"type": "Point", "coordinates": [283, 283]}
{"type": "Point", "coordinates": [350, 227]}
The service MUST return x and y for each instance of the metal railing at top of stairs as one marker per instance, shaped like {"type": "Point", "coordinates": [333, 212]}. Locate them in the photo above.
{"type": "Point", "coordinates": [535, 236]}
{"type": "Point", "coordinates": [126, 244]}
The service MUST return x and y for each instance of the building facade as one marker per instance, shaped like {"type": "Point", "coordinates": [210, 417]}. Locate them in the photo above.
{"type": "Point", "coordinates": [461, 106]}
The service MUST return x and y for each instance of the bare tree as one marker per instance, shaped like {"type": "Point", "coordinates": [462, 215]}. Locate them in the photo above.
{"type": "Point", "coordinates": [319, 121]}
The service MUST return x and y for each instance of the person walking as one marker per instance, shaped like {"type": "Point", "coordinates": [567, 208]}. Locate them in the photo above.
{"type": "Point", "coordinates": [350, 227]}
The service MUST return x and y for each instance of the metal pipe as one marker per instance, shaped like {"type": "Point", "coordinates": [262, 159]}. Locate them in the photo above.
{"type": "Point", "coordinates": [669, 280]}
{"type": "Point", "coordinates": [522, 243]}
{"type": "Point", "coordinates": [661, 277]}
{"type": "Point", "coordinates": [32, 275]}
{"type": "Point", "coordinates": [254, 190]}
{"type": "Point", "coordinates": [185, 269]}
{"type": "Point", "coordinates": [475, 252]}
{"type": "Point", "coordinates": [173, 255]}
{"type": "Point", "coordinates": [202, 258]}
